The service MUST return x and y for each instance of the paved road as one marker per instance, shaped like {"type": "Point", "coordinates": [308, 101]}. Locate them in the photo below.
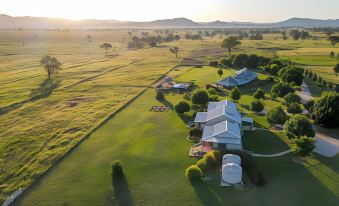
{"type": "Point", "coordinates": [305, 93]}
{"type": "Point", "coordinates": [327, 140]}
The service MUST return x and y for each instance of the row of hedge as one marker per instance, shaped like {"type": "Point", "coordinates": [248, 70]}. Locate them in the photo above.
{"type": "Point", "coordinates": [213, 159]}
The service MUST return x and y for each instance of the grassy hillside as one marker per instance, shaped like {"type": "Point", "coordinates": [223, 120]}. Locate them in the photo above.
{"type": "Point", "coordinates": [41, 120]}
{"type": "Point", "coordinates": [154, 153]}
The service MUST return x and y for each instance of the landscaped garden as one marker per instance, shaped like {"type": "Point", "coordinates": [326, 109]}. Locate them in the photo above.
{"type": "Point", "coordinates": [153, 150]}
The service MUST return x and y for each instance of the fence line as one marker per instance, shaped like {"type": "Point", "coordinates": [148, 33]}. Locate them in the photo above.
{"type": "Point", "coordinates": [11, 198]}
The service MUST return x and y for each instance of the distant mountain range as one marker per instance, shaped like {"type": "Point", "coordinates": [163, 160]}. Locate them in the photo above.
{"type": "Point", "coordinates": [27, 22]}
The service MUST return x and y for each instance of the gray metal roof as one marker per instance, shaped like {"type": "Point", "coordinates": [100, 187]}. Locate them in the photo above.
{"type": "Point", "coordinates": [231, 173]}
{"type": "Point", "coordinates": [223, 132]}
{"type": "Point", "coordinates": [226, 102]}
{"type": "Point", "coordinates": [243, 76]}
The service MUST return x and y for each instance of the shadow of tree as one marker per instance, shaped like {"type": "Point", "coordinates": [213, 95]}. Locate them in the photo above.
{"type": "Point", "coordinates": [44, 90]}
{"type": "Point", "coordinates": [185, 118]}
{"type": "Point", "coordinates": [121, 192]}
{"type": "Point", "coordinates": [167, 103]}
{"type": "Point", "coordinates": [206, 195]}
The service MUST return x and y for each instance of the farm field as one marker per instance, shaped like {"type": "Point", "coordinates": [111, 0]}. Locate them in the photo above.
{"type": "Point", "coordinates": [154, 152]}
{"type": "Point", "coordinates": [42, 120]}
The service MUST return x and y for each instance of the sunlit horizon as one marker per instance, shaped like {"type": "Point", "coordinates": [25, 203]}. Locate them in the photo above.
{"type": "Point", "coordinates": [197, 10]}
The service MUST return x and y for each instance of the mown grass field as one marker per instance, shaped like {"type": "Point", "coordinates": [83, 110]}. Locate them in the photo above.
{"type": "Point", "coordinates": [42, 120]}
{"type": "Point", "coordinates": [154, 152]}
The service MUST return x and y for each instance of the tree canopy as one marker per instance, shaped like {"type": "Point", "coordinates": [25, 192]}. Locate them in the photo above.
{"type": "Point", "coordinates": [230, 42]}
{"type": "Point", "coordinates": [326, 109]}
{"type": "Point", "coordinates": [259, 94]}
{"type": "Point", "coordinates": [298, 125]}
{"type": "Point", "coordinates": [276, 116]}
{"type": "Point", "coordinates": [256, 106]}
{"type": "Point", "coordinates": [303, 146]}
{"type": "Point", "coordinates": [106, 46]}
{"type": "Point", "coordinates": [235, 93]}
{"type": "Point", "coordinates": [182, 107]}
{"type": "Point", "coordinates": [50, 64]}
{"type": "Point", "coordinates": [200, 97]}
{"type": "Point", "coordinates": [281, 89]}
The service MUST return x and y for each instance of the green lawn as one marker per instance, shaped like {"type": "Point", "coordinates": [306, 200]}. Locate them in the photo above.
{"type": "Point", "coordinates": [154, 153]}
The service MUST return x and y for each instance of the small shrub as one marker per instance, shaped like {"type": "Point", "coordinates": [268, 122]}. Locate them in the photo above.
{"type": "Point", "coordinates": [202, 165]}
{"type": "Point", "coordinates": [294, 108]}
{"type": "Point", "coordinates": [291, 98]}
{"type": "Point", "coordinates": [303, 146]}
{"type": "Point", "coordinates": [194, 174]}
{"type": "Point", "coordinates": [256, 106]}
{"type": "Point", "coordinates": [196, 132]}
{"type": "Point", "coordinates": [187, 97]}
{"type": "Point", "coordinates": [276, 116]}
{"type": "Point", "coordinates": [259, 94]}
{"type": "Point", "coordinates": [270, 80]}
{"type": "Point", "coordinates": [212, 91]}
{"type": "Point", "coordinates": [182, 107]}
{"type": "Point", "coordinates": [214, 98]}
{"type": "Point", "coordinates": [235, 93]}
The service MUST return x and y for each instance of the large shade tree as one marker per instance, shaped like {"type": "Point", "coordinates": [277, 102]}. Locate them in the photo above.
{"type": "Point", "coordinates": [298, 125]}
{"type": "Point", "coordinates": [50, 64]}
{"type": "Point", "coordinates": [230, 43]}
{"type": "Point", "coordinates": [333, 39]}
{"type": "Point", "coordinates": [106, 46]}
{"type": "Point", "coordinates": [303, 146]}
{"type": "Point", "coordinates": [326, 109]}
{"type": "Point", "coordinates": [200, 97]}
{"type": "Point", "coordinates": [276, 116]}
{"type": "Point", "coordinates": [182, 107]}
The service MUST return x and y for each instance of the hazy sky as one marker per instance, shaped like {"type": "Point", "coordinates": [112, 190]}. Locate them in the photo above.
{"type": "Point", "coordinates": [198, 10]}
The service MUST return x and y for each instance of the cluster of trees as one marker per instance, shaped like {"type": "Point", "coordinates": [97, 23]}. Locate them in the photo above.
{"type": "Point", "coordinates": [296, 34]}
{"type": "Point", "coordinates": [193, 36]}
{"type": "Point", "coordinates": [194, 173]}
{"type": "Point", "coordinates": [150, 41]}
{"type": "Point", "coordinates": [325, 110]}
{"type": "Point", "coordinates": [299, 129]}
{"type": "Point", "coordinates": [323, 83]}
{"type": "Point", "coordinates": [281, 89]}
{"type": "Point", "coordinates": [241, 61]}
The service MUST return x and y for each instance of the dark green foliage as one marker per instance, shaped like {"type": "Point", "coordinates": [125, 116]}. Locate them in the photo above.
{"type": "Point", "coordinates": [213, 97]}
{"type": "Point", "coordinates": [292, 74]}
{"type": "Point", "coordinates": [259, 94]}
{"type": "Point", "coordinates": [294, 108]}
{"type": "Point", "coordinates": [160, 96]}
{"type": "Point", "coordinates": [333, 39]}
{"type": "Point", "coordinates": [252, 61]}
{"type": "Point", "coordinates": [326, 109]}
{"type": "Point", "coordinates": [314, 77]}
{"type": "Point", "coordinates": [256, 106]}
{"type": "Point", "coordinates": [336, 69]}
{"type": "Point", "coordinates": [240, 61]}
{"type": "Point", "coordinates": [196, 132]}
{"type": "Point", "coordinates": [251, 168]}
{"type": "Point", "coordinates": [200, 97]}
{"type": "Point", "coordinates": [291, 98]}
{"type": "Point", "coordinates": [235, 93]}
{"type": "Point", "coordinates": [298, 125]}
{"type": "Point", "coordinates": [214, 63]}
{"type": "Point", "coordinates": [281, 89]}
{"type": "Point", "coordinates": [226, 62]}
{"type": "Point", "coordinates": [182, 107]}
{"type": "Point", "coordinates": [270, 80]}
{"type": "Point", "coordinates": [194, 174]}
{"type": "Point", "coordinates": [212, 91]}
{"type": "Point", "coordinates": [273, 69]}
{"type": "Point", "coordinates": [303, 146]}
{"type": "Point", "coordinates": [220, 72]}
{"type": "Point", "coordinates": [309, 105]}
{"type": "Point", "coordinates": [331, 54]}
{"type": "Point", "coordinates": [230, 42]}
{"type": "Point", "coordinates": [276, 116]}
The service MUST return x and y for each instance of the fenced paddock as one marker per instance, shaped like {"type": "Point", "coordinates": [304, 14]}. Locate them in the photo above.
{"type": "Point", "coordinates": [11, 198]}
